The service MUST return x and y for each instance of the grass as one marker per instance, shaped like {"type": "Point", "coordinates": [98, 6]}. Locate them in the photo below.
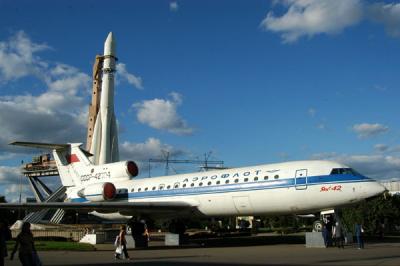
{"type": "Point", "coordinates": [56, 245]}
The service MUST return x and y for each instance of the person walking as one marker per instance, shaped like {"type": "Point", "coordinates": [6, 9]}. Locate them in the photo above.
{"type": "Point", "coordinates": [359, 230]}
{"type": "Point", "coordinates": [122, 243]}
{"type": "Point", "coordinates": [325, 234]}
{"type": "Point", "coordinates": [329, 229]}
{"type": "Point", "coordinates": [27, 252]}
{"type": "Point", "coordinates": [5, 235]}
{"type": "Point", "coordinates": [338, 233]}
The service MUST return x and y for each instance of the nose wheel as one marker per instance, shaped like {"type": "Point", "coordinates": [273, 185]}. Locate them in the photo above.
{"type": "Point", "coordinates": [317, 226]}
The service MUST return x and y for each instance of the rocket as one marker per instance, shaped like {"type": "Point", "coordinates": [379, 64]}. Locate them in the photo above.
{"type": "Point", "coordinates": [105, 135]}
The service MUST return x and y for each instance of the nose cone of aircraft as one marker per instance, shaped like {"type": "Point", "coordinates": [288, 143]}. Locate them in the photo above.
{"type": "Point", "coordinates": [374, 189]}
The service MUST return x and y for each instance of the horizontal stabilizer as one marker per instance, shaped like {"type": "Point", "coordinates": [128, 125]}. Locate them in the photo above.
{"type": "Point", "coordinates": [39, 145]}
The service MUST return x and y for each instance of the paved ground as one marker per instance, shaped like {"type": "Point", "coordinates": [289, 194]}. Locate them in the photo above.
{"type": "Point", "coordinates": [272, 254]}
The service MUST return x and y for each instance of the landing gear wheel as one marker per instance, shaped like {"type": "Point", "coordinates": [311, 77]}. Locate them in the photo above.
{"type": "Point", "coordinates": [317, 226]}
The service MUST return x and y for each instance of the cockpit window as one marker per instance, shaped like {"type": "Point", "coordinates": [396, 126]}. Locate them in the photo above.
{"type": "Point", "coordinates": [343, 171]}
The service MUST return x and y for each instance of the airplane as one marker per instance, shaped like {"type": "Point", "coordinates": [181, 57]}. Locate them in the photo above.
{"type": "Point", "coordinates": [111, 190]}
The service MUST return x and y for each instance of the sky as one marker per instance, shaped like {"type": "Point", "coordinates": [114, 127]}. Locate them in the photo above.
{"type": "Point", "coordinates": [248, 82]}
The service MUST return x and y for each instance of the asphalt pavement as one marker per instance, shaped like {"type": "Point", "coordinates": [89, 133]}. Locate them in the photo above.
{"type": "Point", "coordinates": [381, 254]}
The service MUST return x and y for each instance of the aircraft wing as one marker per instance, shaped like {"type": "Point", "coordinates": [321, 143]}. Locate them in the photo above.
{"type": "Point", "coordinates": [150, 206]}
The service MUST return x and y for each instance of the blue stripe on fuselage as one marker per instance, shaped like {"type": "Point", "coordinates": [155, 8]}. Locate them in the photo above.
{"type": "Point", "coordinates": [257, 185]}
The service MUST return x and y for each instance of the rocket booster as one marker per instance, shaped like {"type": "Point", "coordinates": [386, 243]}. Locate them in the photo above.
{"type": "Point", "coordinates": [105, 135]}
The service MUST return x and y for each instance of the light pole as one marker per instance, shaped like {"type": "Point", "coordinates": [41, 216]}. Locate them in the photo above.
{"type": "Point", "coordinates": [20, 192]}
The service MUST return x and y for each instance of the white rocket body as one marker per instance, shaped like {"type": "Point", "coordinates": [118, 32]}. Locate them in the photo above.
{"type": "Point", "coordinates": [105, 135]}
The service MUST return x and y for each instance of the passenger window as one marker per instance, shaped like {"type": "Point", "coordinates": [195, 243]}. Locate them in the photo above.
{"type": "Point", "coordinates": [276, 176]}
{"type": "Point", "coordinates": [184, 185]}
{"type": "Point", "coordinates": [227, 181]}
{"type": "Point", "coordinates": [266, 177]}
{"type": "Point", "coordinates": [192, 185]}
{"type": "Point", "coordinates": [146, 189]}
{"type": "Point", "coordinates": [236, 180]}
{"type": "Point", "coordinates": [218, 182]}
{"type": "Point", "coordinates": [154, 188]}
{"type": "Point", "coordinates": [256, 178]}
{"type": "Point", "coordinates": [139, 190]}
{"type": "Point", "coordinates": [161, 187]}
{"type": "Point", "coordinates": [200, 184]}
{"type": "Point", "coordinates": [168, 187]}
{"type": "Point", "coordinates": [176, 185]}
{"type": "Point", "coordinates": [246, 179]}
{"type": "Point", "coordinates": [132, 190]}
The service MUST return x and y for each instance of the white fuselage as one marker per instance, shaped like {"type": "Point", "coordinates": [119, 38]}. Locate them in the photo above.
{"type": "Point", "coordinates": [292, 187]}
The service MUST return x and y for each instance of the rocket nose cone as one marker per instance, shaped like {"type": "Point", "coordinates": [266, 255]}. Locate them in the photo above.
{"type": "Point", "coordinates": [109, 45]}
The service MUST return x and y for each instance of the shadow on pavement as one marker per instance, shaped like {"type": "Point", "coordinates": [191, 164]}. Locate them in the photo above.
{"type": "Point", "coordinates": [174, 263]}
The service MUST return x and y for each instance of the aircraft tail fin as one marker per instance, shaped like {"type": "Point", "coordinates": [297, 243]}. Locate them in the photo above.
{"type": "Point", "coordinates": [70, 158]}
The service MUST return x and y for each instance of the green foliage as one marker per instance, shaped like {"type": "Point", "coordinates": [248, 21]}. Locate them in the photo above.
{"type": "Point", "coordinates": [6, 215]}
{"type": "Point", "coordinates": [56, 245]}
{"type": "Point", "coordinates": [285, 223]}
{"type": "Point", "coordinates": [373, 213]}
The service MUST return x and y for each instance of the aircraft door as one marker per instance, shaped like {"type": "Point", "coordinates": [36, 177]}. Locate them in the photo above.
{"type": "Point", "coordinates": [300, 180]}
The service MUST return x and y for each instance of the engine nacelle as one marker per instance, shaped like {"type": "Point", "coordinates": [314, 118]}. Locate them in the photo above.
{"type": "Point", "coordinates": [109, 172]}
{"type": "Point", "coordinates": [122, 169]}
{"type": "Point", "coordinates": [99, 192]}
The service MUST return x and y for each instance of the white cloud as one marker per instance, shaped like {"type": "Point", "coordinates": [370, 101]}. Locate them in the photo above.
{"type": "Point", "coordinates": [389, 15]}
{"type": "Point", "coordinates": [12, 183]}
{"type": "Point", "coordinates": [129, 77]}
{"type": "Point", "coordinates": [366, 130]}
{"type": "Point", "coordinates": [9, 175]}
{"type": "Point", "coordinates": [380, 88]}
{"type": "Point", "coordinates": [394, 149]}
{"type": "Point", "coordinates": [11, 192]}
{"type": "Point", "coordinates": [312, 112]}
{"type": "Point", "coordinates": [162, 114]}
{"type": "Point", "coordinates": [379, 166]}
{"type": "Point", "coordinates": [10, 188]}
{"type": "Point", "coordinates": [150, 149]}
{"type": "Point", "coordinates": [8, 156]}
{"type": "Point", "coordinates": [173, 6]}
{"type": "Point", "coordinates": [322, 126]}
{"type": "Point", "coordinates": [311, 17]}
{"type": "Point", "coordinates": [18, 59]}
{"type": "Point", "coordinates": [383, 148]}
{"type": "Point", "coordinates": [56, 114]}
{"type": "Point", "coordinates": [36, 124]}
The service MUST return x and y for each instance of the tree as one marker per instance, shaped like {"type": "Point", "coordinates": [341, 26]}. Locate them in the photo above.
{"type": "Point", "coordinates": [373, 213]}
{"type": "Point", "coordinates": [6, 215]}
